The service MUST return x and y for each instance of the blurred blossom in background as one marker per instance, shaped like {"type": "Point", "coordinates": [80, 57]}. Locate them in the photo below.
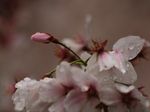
{"type": "Point", "coordinates": [19, 19]}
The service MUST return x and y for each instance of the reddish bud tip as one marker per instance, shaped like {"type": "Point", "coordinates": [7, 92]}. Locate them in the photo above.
{"type": "Point", "coordinates": [11, 89]}
{"type": "Point", "coordinates": [42, 37]}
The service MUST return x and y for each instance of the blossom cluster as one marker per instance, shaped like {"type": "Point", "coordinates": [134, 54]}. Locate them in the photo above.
{"type": "Point", "coordinates": [86, 80]}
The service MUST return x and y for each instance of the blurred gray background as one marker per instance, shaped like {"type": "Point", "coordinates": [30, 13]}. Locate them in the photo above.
{"type": "Point", "coordinates": [19, 19]}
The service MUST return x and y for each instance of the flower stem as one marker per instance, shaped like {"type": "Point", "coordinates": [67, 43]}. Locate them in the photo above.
{"type": "Point", "coordinates": [79, 60]}
{"type": "Point", "coordinates": [49, 74]}
{"type": "Point", "coordinates": [84, 63]}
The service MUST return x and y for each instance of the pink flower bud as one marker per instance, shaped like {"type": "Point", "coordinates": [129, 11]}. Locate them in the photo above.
{"type": "Point", "coordinates": [42, 37]}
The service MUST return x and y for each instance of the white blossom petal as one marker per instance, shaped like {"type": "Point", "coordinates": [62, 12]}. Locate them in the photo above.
{"type": "Point", "coordinates": [138, 107]}
{"type": "Point", "coordinates": [129, 77]}
{"type": "Point", "coordinates": [123, 88]}
{"type": "Point", "coordinates": [119, 61]}
{"type": "Point", "coordinates": [139, 96]}
{"type": "Point", "coordinates": [83, 80]}
{"type": "Point", "coordinates": [105, 61]}
{"type": "Point", "coordinates": [26, 95]}
{"type": "Point", "coordinates": [64, 74]}
{"type": "Point", "coordinates": [92, 65]}
{"type": "Point", "coordinates": [129, 46]}
{"type": "Point", "coordinates": [57, 106]}
{"type": "Point", "coordinates": [75, 101]}
{"type": "Point", "coordinates": [109, 95]}
{"type": "Point", "coordinates": [50, 90]}
{"type": "Point", "coordinates": [104, 77]}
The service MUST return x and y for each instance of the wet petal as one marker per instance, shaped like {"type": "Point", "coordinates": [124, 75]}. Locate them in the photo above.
{"type": "Point", "coordinates": [119, 61]}
{"type": "Point", "coordinates": [129, 77]}
{"type": "Point", "coordinates": [129, 46]}
{"type": "Point", "coordinates": [104, 77]}
{"type": "Point", "coordinates": [50, 90]}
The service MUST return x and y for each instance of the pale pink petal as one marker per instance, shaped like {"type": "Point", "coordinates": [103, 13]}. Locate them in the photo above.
{"type": "Point", "coordinates": [129, 77]}
{"type": "Point", "coordinates": [64, 74]}
{"type": "Point", "coordinates": [75, 101]}
{"type": "Point", "coordinates": [123, 88]}
{"type": "Point", "coordinates": [138, 107]}
{"type": "Point", "coordinates": [92, 65]}
{"type": "Point", "coordinates": [129, 46]}
{"type": "Point", "coordinates": [26, 95]}
{"type": "Point", "coordinates": [38, 107]}
{"type": "Point", "coordinates": [109, 95]}
{"type": "Point", "coordinates": [105, 61]}
{"type": "Point", "coordinates": [119, 61]}
{"type": "Point", "coordinates": [50, 90]}
{"type": "Point", "coordinates": [139, 96]}
{"type": "Point", "coordinates": [57, 106]}
{"type": "Point", "coordinates": [104, 77]}
{"type": "Point", "coordinates": [83, 80]}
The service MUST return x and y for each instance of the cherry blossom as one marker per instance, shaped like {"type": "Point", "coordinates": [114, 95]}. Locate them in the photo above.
{"type": "Point", "coordinates": [99, 81]}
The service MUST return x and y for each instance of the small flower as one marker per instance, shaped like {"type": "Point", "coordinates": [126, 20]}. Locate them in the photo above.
{"type": "Point", "coordinates": [42, 37]}
{"type": "Point", "coordinates": [72, 90]}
